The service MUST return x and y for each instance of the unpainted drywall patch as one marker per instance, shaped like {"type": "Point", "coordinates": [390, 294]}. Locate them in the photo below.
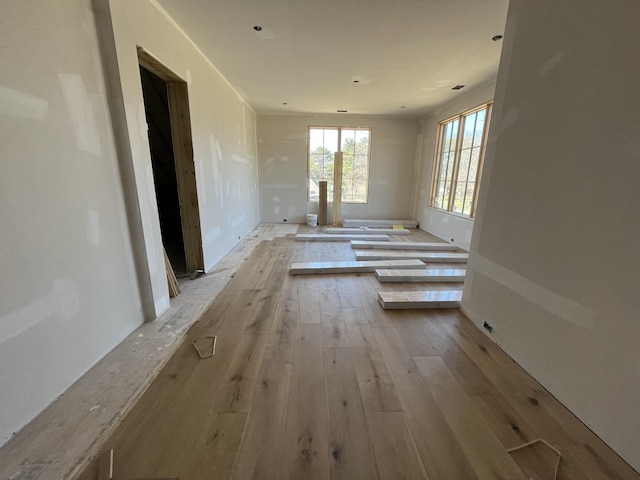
{"type": "Point", "coordinates": [61, 302]}
{"type": "Point", "coordinates": [239, 220]}
{"type": "Point", "coordinates": [216, 161]}
{"type": "Point", "coordinates": [241, 159]}
{"type": "Point", "coordinates": [551, 63]}
{"type": "Point", "coordinates": [23, 105]}
{"type": "Point", "coordinates": [81, 112]}
{"type": "Point", "coordinates": [93, 227]}
{"type": "Point", "coordinates": [212, 235]}
{"type": "Point", "coordinates": [552, 302]}
{"type": "Point", "coordinates": [276, 210]}
{"type": "Point", "coordinates": [508, 119]}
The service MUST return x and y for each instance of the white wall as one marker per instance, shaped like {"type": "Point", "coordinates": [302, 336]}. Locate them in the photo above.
{"type": "Point", "coordinates": [450, 227]}
{"type": "Point", "coordinates": [554, 263]}
{"type": "Point", "coordinates": [223, 129]}
{"type": "Point", "coordinates": [68, 288]}
{"type": "Point", "coordinates": [282, 149]}
{"type": "Point", "coordinates": [81, 263]}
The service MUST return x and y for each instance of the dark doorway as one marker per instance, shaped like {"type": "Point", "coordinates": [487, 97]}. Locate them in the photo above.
{"type": "Point", "coordinates": [156, 106]}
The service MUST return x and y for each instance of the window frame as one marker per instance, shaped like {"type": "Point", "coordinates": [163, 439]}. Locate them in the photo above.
{"type": "Point", "coordinates": [339, 128]}
{"type": "Point", "coordinates": [457, 155]}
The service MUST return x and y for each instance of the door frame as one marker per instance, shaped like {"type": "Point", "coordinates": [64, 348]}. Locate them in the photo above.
{"type": "Point", "coordinates": [180, 117]}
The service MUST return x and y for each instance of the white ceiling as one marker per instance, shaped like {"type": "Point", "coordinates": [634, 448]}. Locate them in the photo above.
{"type": "Point", "coordinates": [308, 54]}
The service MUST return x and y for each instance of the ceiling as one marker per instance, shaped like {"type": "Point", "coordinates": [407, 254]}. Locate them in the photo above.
{"type": "Point", "coordinates": [405, 55]}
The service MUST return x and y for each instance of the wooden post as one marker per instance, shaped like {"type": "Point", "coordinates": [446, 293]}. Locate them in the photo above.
{"type": "Point", "coordinates": [322, 205]}
{"type": "Point", "coordinates": [337, 188]}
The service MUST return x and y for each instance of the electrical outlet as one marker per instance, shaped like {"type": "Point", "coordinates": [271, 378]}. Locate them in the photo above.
{"type": "Point", "coordinates": [488, 327]}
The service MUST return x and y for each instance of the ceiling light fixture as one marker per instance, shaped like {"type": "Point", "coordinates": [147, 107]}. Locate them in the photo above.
{"type": "Point", "coordinates": [257, 28]}
{"type": "Point", "coordinates": [284, 103]}
{"type": "Point", "coordinates": [495, 38]}
{"type": "Point", "coordinates": [403, 106]}
{"type": "Point", "coordinates": [342, 111]}
{"type": "Point", "coordinates": [356, 81]}
{"type": "Point", "coordinates": [458, 87]}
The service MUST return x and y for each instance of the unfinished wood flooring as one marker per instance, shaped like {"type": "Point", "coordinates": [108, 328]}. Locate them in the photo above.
{"type": "Point", "coordinates": [313, 380]}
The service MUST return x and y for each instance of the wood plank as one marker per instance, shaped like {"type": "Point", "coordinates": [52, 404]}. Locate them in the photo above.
{"type": "Point", "coordinates": [346, 237]}
{"type": "Point", "coordinates": [486, 454]}
{"type": "Point", "coordinates": [422, 276]}
{"type": "Point", "coordinates": [353, 222]}
{"type": "Point", "coordinates": [336, 208]}
{"type": "Point", "coordinates": [421, 299]}
{"type": "Point", "coordinates": [322, 203]}
{"type": "Point", "coordinates": [359, 333]}
{"type": "Point", "coordinates": [369, 231]}
{"type": "Point", "coordinates": [376, 387]}
{"type": "Point", "coordinates": [440, 451]}
{"type": "Point", "coordinates": [261, 445]}
{"type": "Point", "coordinates": [428, 257]}
{"type": "Point", "coordinates": [351, 266]}
{"type": "Point", "coordinates": [236, 390]}
{"type": "Point", "coordinates": [351, 455]}
{"type": "Point", "coordinates": [419, 246]}
{"type": "Point", "coordinates": [395, 451]}
{"type": "Point", "coordinates": [306, 438]}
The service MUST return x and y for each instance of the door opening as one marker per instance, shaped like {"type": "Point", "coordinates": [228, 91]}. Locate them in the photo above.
{"type": "Point", "coordinates": [166, 102]}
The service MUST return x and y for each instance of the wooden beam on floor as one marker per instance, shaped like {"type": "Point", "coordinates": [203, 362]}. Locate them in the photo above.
{"type": "Point", "coordinates": [421, 276]}
{"type": "Point", "coordinates": [368, 244]}
{"type": "Point", "coordinates": [370, 231]}
{"type": "Point", "coordinates": [323, 237]}
{"type": "Point", "coordinates": [420, 299]}
{"type": "Point", "coordinates": [379, 223]}
{"type": "Point", "coordinates": [351, 267]}
{"type": "Point", "coordinates": [429, 257]}
{"type": "Point", "coordinates": [322, 203]}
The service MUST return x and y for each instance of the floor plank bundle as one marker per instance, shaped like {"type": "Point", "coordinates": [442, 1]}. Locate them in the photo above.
{"type": "Point", "coordinates": [379, 223]}
{"type": "Point", "coordinates": [420, 299]}
{"type": "Point", "coordinates": [429, 257]}
{"type": "Point", "coordinates": [312, 379]}
{"type": "Point", "coordinates": [369, 231]}
{"type": "Point", "coordinates": [428, 275]}
{"type": "Point", "coordinates": [419, 246]}
{"type": "Point", "coordinates": [352, 266]}
{"type": "Point", "coordinates": [338, 237]}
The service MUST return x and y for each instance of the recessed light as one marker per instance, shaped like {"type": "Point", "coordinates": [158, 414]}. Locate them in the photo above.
{"type": "Point", "coordinates": [257, 28]}
{"type": "Point", "coordinates": [495, 38]}
{"type": "Point", "coordinates": [458, 87]}
{"type": "Point", "coordinates": [403, 106]}
{"type": "Point", "coordinates": [284, 103]}
{"type": "Point", "coordinates": [356, 81]}
{"type": "Point", "coordinates": [342, 111]}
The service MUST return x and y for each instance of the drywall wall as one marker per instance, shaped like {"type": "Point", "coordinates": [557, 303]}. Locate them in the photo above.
{"type": "Point", "coordinates": [282, 152]}
{"type": "Point", "coordinates": [450, 227]}
{"type": "Point", "coordinates": [68, 286]}
{"type": "Point", "coordinates": [80, 252]}
{"type": "Point", "coordinates": [554, 263]}
{"type": "Point", "coordinates": [223, 129]}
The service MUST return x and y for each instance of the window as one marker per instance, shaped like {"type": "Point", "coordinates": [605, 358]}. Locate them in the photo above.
{"type": "Point", "coordinates": [459, 156]}
{"type": "Point", "coordinates": [354, 144]}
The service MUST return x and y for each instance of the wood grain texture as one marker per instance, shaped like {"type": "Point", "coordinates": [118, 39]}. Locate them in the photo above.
{"type": "Point", "coordinates": [312, 379]}
{"type": "Point", "coordinates": [350, 448]}
{"type": "Point", "coordinates": [395, 451]}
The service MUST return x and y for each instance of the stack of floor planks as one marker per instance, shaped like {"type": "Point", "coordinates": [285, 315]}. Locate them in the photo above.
{"type": "Point", "coordinates": [394, 263]}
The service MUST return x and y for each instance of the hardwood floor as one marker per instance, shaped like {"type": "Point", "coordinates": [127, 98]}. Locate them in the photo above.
{"type": "Point", "coordinates": [312, 379]}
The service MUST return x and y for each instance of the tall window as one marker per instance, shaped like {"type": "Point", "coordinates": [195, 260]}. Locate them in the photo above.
{"type": "Point", "coordinates": [461, 142]}
{"type": "Point", "coordinates": [354, 143]}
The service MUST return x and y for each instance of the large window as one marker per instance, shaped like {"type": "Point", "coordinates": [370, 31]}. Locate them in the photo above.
{"type": "Point", "coordinates": [459, 155]}
{"type": "Point", "coordinates": [354, 144]}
